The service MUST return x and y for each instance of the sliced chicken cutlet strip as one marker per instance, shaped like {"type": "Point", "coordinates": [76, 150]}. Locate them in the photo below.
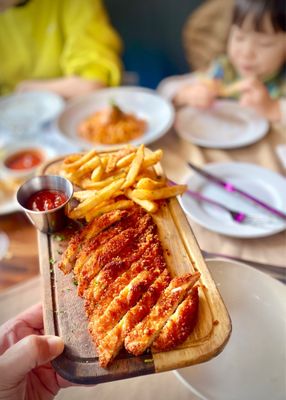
{"type": "Point", "coordinates": [108, 251]}
{"type": "Point", "coordinates": [102, 281]}
{"type": "Point", "coordinates": [180, 325]}
{"type": "Point", "coordinates": [92, 229]}
{"type": "Point", "coordinates": [112, 270]}
{"type": "Point", "coordinates": [119, 306]}
{"type": "Point", "coordinates": [143, 335]}
{"type": "Point", "coordinates": [102, 256]}
{"type": "Point", "coordinates": [150, 259]}
{"type": "Point", "coordinates": [90, 246]}
{"type": "Point", "coordinates": [111, 344]}
{"type": "Point", "coordinates": [129, 220]}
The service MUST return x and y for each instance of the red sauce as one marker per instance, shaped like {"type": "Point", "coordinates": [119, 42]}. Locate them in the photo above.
{"type": "Point", "coordinates": [25, 159]}
{"type": "Point", "coordinates": [45, 200]}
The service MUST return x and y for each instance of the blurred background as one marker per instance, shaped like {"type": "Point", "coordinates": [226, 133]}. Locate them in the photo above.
{"type": "Point", "coordinates": [152, 35]}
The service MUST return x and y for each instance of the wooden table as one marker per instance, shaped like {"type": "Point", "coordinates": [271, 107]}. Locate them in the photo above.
{"type": "Point", "coordinates": [21, 261]}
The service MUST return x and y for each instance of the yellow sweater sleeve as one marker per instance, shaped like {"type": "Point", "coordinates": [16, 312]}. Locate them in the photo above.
{"type": "Point", "coordinates": [91, 46]}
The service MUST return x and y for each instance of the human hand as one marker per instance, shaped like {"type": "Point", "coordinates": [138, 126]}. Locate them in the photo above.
{"type": "Point", "coordinates": [254, 94]}
{"type": "Point", "coordinates": [26, 86]}
{"type": "Point", "coordinates": [200, 94]}
{"type": "Point", "coordinates": [25, 369]}
{"type": "Point", "coordinates": [67, 86]}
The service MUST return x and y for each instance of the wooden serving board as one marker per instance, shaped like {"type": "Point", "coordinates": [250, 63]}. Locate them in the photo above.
{"type": "Point", "coordinates": [64, 313]}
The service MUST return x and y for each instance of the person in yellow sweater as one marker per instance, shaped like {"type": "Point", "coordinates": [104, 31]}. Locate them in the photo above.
{"type": "Point", "coordinates": [64, 46]}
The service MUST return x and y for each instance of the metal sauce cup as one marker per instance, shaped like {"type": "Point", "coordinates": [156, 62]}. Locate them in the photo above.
{"type": "Point", "coordinates": [51, 220]}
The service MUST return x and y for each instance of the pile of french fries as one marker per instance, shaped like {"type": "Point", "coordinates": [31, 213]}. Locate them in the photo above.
{"type": "Point", "coordinates": [116, 180]}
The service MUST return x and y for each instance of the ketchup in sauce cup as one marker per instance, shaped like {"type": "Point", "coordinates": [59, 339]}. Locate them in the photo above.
{"type": "Point", "coordinates": [44, 199]}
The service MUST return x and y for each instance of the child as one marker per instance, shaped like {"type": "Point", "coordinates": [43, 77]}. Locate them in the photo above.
{"type": "Point", "coordinates": [253, 69]}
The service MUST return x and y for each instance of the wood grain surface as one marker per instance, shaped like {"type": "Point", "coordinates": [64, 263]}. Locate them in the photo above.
{"type": "Point", "coordinates": [21, 261]}
{"type": "Point", "coordinates": [64, 311]}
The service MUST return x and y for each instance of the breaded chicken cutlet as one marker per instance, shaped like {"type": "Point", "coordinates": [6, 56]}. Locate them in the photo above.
{"type": "Point", "coordinates": [131, 300]}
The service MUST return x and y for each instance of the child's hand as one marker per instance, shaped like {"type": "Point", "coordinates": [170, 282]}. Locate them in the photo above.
{"type": "Point", "coordinates": [198, 94]}
{"type": "Point", "coordinates": [254, 94]}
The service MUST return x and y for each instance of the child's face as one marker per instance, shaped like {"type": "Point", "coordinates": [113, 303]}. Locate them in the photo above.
{"type": "Point", "coordinates": [256, 54]}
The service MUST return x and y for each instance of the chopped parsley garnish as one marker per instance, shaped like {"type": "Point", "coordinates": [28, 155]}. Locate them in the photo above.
{"type": "Point", "coordinates": [59, 238]}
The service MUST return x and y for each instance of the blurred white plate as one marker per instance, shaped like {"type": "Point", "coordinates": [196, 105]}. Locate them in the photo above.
{"type": "Point", "coordinates": [226, 125]}
{"type": "Point", "coordinates": [260, 182]}
{"type": "Point", "coordinates": [169, 86]}
{"type": "Point", "coordinates": [23, 113]}
{"type": "Point", "coordinates": [252, 365]}
{"type": "Point", "coordinates": [8, 203]}
{"type": "Point", "coordinates": [144, 103]}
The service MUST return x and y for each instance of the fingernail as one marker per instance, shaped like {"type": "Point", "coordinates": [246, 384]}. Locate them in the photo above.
{"type": "Point", "coordinates": [56, 345]}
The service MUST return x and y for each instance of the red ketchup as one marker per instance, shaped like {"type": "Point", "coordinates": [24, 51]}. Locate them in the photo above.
{"type": "Point", "coordinates": [45, 200]}
{"type": "Point", "coordinates": [24, 160]}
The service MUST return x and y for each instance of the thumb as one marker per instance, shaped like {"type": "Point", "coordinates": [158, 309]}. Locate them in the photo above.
{"type": "Point", "coordinates": [28, 353]}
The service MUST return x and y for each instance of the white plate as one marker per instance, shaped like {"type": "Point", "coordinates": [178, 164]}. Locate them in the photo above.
{"type": "Point", "coordinates": [10, 203]}
{"type": "Point", "coordinates": [252, 365]}
{"type": "Point", "coordinates": [145, 103]}
{"type": "Point", "coordinates": [22, 114]}
{"type": "Point", "coordinates": [169, 86]}
{"type": "Point", "coordinates": [260, 182]}
{"type": "Point", "coordinates": [9, 206]}
{"type": "Point", "coordinates": [226, 125]}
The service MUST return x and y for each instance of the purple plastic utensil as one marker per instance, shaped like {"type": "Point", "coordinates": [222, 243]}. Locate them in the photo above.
{"type": "Point", "coordinates": [229, 187]}
{"type": "Point", "coordinates": [237, 216]}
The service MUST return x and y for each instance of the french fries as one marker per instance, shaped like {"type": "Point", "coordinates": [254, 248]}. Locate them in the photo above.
{"type": "Point", "coordinates": [74, 165]}
{"type": "Point", "coordinates": [134, 167]}
{"type": "Point", "coordinates": [148, 205]}
{"type": "Point", "coordinates": [150, 184]}
{"type": "Point", "coordinates": [98, 197]}
{"type": "Point", "coordinates": [108, 206]}
{"type": "Point", "coordinates": [158, 194]}
{"type": "Point", "coordinates": [221, 89]}
{"type": "Point", "coordinates": [116, 180]}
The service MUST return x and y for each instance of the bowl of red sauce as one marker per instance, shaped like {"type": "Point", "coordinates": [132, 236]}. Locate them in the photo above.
{"type": "Point", "coordinates": [22, 161]}
{"type": "Point", "coordinates": [45, 200]}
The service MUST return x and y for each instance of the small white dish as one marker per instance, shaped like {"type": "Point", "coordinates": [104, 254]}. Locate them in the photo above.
{"type": "Point", "coordinates": [11, 179]}
{"type": "Point", "coordinates": [252, 365]}
{"type": "Point", "coordinates": [144, 103]}
{"type": "Point", "coordinates": [260, 182]}
{"type": "Point", "coordinates": [22, 114]}
{"type": "Point", "coordinates": [14, 153]}
{"type": "Point", "coordinates": [226, 125]}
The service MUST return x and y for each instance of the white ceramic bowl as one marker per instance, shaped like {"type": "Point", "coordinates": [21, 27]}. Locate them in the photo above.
{"type": "Point", "coordinates": [144, 103]}
{"type": "Point", "coordinates": [22, 114]}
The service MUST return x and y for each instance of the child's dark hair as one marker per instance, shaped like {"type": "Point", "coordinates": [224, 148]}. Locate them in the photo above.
{"type": "Point", "coordinates": [258, 8]}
